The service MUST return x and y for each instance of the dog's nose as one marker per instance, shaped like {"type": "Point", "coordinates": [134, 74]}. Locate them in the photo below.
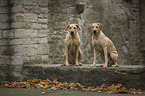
{"type": "Point", "coordinates": [72, 32]}
{"type": "Point", "coordinates": [94, 31]}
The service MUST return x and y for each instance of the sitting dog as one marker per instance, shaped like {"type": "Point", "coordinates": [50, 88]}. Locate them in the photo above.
{"type": "Point", "coordinates": [103, 45]}
{"type": "Point", "coordinates": [73, 53]}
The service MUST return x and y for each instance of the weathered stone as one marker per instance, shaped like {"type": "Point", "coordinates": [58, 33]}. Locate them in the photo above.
{"type": "Point", "coordinates": [26, 60]}
{"type": "Point", "coordinates": [27, 50]}
{"type": "Point", "coordinates": [4, 18]}
{"type": "Point", "coordinates": [125, 50]}
{"type": "Point", "coordinates": [20, 41]}
{"type": "Point", "coordinates": [8, 34]}
{"type": "Point", "coordinates": [18, 25]}
{"type": "Point", "coordinates": [44, 26]}
{"type": "Point", "coordinates": [35, 26]}
{"type": "Point", "coordinates": [45, 58]}
{"type": "Point", "coordinates": [5, 60]}
{"type": "Point", "coordinates": [4, 10]}
{"type": "Point", "coordinates": [19, 33]}
{"type": "Point", "coordinates": [43, 49]}
{"type": "Point", "coordinates": [90, 76]}
{"type": "Point", "coordinates": [43, 2]}
{"type": "Point", "coordinates": [36, 59]}
{"type": "Point", "coordinates": [17, 60]}
{"type": "Point", "coordinates": [4, 26]}
{"type": "Point", "coordinates": [42, 33]}
{"type": "Point", "coordinates": [42, 21]}
{"type": "Point", "coordinates": [44, 10]}
{"type": "Point", "coordinates": [42, 40]}
{"type": "Point", "coordinates": [16, 9]}
{"type": "Point", "coordinates": [26, 2]}
{"type": "Point", "coordinates": [30, 18]}
{"type": "Point", "coordinates": [3, 2]}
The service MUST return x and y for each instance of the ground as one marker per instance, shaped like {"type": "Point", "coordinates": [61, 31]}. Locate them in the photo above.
{"type": "Point", "coordinates": [37, 92]}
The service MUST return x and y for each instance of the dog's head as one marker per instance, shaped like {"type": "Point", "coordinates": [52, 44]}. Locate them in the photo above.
{"type": "Point", "coordinates": [72, 28]}
{"type": "Point", "coordinates": [95, 27]}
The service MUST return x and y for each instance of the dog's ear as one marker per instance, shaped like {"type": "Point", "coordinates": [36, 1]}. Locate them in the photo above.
{"type": "Point", "coordinates": [67, 27]}
{"type": "Point", "coordinates": [100, 26]}
{"type": "Point", "coordinates": [89, 27]}
{"type": "Point", "coordinates": [78, 27]}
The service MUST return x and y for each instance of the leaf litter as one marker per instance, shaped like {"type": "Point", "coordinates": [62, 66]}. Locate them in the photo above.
{"type": "Point", "coordinates": [56, 85]}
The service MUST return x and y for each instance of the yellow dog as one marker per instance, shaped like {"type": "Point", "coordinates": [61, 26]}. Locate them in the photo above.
{"type": "Point", "coordinates": [73, 53]}
{"type": "Point", "coordinates": [103, 45]}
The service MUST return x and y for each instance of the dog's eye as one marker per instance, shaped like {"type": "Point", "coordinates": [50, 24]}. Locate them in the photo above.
{"type": "Point", "coordinates": [69, 27]}
{"type": "Point", "coordinates": [92, 26]}
{"type": "Point", "coordinates": [74, 27]}
{"type": "Point", "coordinates": [96, 26]}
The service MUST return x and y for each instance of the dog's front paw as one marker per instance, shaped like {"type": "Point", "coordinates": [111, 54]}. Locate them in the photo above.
{"type": "Point", "coordinates": [64, 64]}
{"type": "Point", "coordinates": [115, 65]}
{"type": "Point", "coordinates": [105, 65]}
{"type": "Point", "coordinates": [93, 65]}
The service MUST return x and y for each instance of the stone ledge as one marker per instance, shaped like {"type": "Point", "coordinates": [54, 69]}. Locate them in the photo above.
{"type": "Point", "coordinates": [131, 76]}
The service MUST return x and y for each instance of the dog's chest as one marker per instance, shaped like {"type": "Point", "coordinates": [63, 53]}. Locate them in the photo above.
{"type": "Point", "coordinates": [73, 44]}
{"type": "Point", "coordinates": [97, 45]}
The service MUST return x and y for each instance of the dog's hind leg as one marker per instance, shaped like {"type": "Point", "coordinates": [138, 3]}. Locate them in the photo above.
{"type": "Point", "coordinates": [114, 56]}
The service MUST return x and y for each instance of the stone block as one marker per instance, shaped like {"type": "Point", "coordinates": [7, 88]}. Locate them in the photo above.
{"type": "Point", "coordinates": [19, 18]}
{"type": "Point", "coordinates": [42, 33]}
{"type": "Point", "coordinates": [17, 60]}
{"type": "Point", "coordinates": [90, 76]}
{"type": "Point", "coordinates": [36, 59]}
{"type": "Point", "coordinates": [43, 49]}
{"type": "Point", "coordinates": [44, 10]}
{"type": "Point", "coordinates": [45, 58]}
{"type": "Point", "coordinates": [42, 40]}
{"type": "Point", "coordinates": [4, 42]}
{"type": "Point", "coordinates": [34, 40]}
{"type": "Point", "coordinates": [4, 60]}
{"type": "Point", "coordinates": [3, 2]}
{"type": "Point", "coordinates": [4, 10]}
{"type": "Point", "coordinates": [22, 33]}
{"type": "Point", "coordinates": [31, 9]}
{"type": "Point", "coordinates": [8, 34]}
{"type": "Point", "coordinates": [44, 26]}
{"type": "Point", "coordinates": [125, 49]}
{"type": "Point", "coordinates": [4, 18]}
{"type": "Point", "coordinates": [43, 2]}
{"type": "Point", "coordinates": [4, 26]}
{"type": "Point", "coordinates": [31, 50]}
{"type": "Point", "coordinates": [20, 41]}
{"type": "Point", "coordinates": [26, 2]}
{"type": "Point", "coordinates": [26, 60]}
{"type": "Point", "coordinates": [42, 21]}
{"type": "Point", "coordinates": [18, 25]}
{"type": "Point", "coordinates": [30, 18]}
{"type": "Point", "coordinates": [17, 9]}
{"type": "Point", "coordinates": [25, 50]}
{"type": "Point", "coordinates": [36, 26]}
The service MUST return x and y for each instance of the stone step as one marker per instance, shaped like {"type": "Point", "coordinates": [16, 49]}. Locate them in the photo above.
{"type": "Point", "coordinates": [131, 76]}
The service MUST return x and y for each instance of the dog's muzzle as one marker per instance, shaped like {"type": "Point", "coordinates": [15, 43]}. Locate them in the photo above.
{"type": "Point", "coordinates": [94, 31]}
{"type": "Point", "coordinates": [72, 32]}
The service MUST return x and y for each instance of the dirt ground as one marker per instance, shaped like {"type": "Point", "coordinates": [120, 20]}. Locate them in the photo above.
{"type": "Point", "coordinates": [38, 92]}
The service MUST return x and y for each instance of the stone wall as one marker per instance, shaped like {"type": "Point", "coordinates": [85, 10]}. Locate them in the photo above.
{"type": "Point", "coordinates": [32, 31]}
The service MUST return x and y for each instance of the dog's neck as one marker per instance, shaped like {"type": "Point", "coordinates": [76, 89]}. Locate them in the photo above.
{"type": "Point", "coordinates": [73, 36]}
{"type": "Point", "coordinates": [96, 35]}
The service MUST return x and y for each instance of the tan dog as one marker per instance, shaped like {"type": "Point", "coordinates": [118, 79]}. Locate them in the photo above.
{"type": "Point", "coordinates": [73, 53]}
{"type": "Point", "coordinates": [103, 45]}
